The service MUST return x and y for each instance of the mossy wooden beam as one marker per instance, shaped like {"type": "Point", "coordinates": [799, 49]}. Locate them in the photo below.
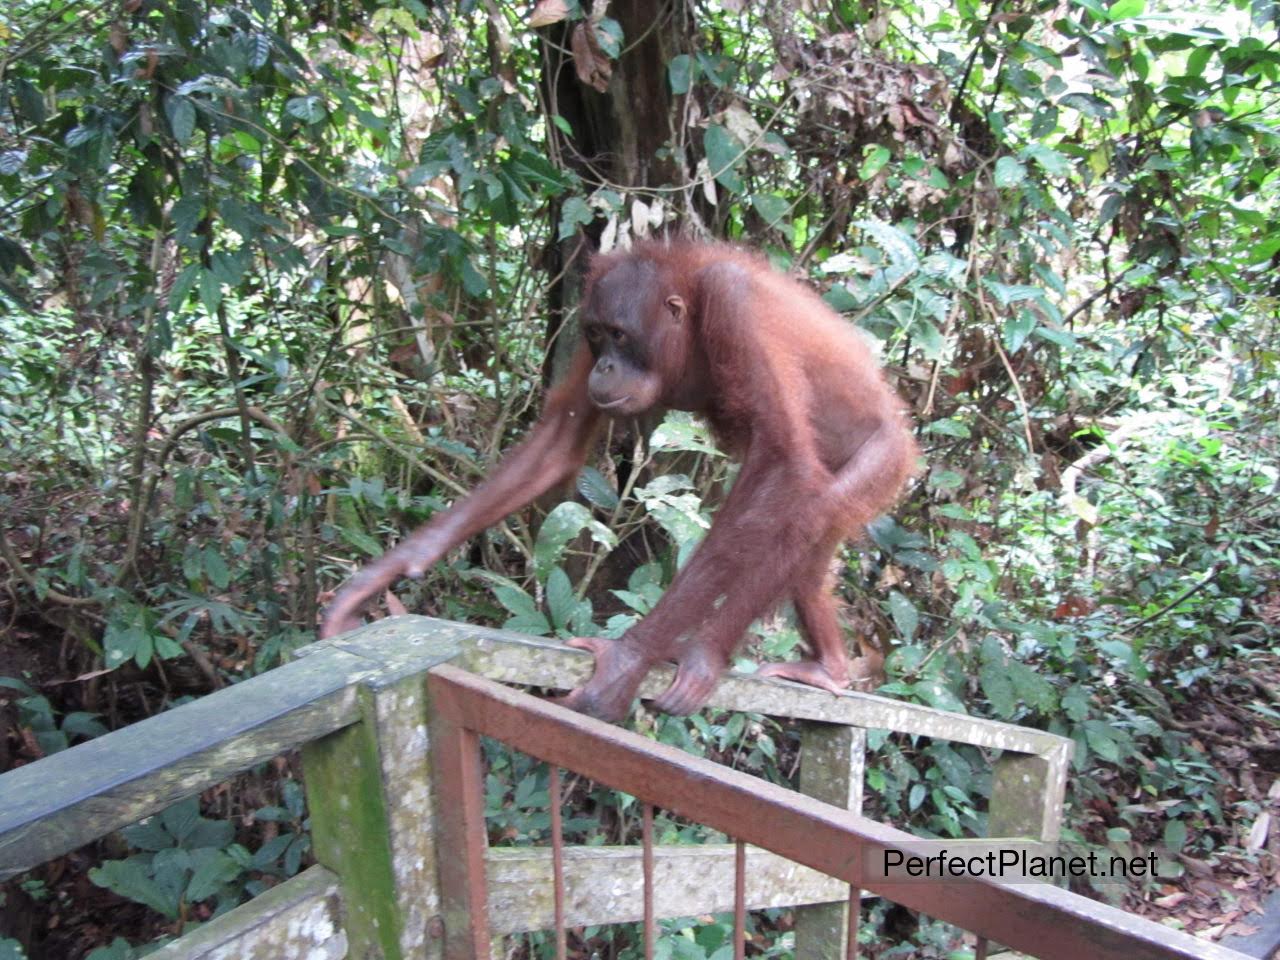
{"type": "Point", "coordinates": [73, 797]}
{"type": "Point", "coordinates": [605, 884]}
{"type": "Point", "coordinates": [300, 919]}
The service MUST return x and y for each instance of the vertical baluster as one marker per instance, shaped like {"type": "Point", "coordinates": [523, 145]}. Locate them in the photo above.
{"type": "Point", "coordinates": [739, 900]}
{"type": "Point", "coordinates": [851, 936]}
{"type": "Point", "coordinates": [557, 862]}
{"type": "Point", "coordinates": [980, 951]}
{"type": "Point", "coordinates": [650, 929]}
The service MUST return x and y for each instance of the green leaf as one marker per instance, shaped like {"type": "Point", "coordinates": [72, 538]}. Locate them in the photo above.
{"type": "Point", "coordinates": [680, 431]}
{"type": "Point", "coordinates": [515, 600]}
{"type": "Point", "coordinates": [680, 74]}
{"type": "Point", "coordinates": [916, 796]}
{"type": "Point", "coordinates": [596, 489]}
{"type": "Point", "coordinates": [873, 161]}
{"type": "Point", "coordinates": [1126, 9]}
{"type": "Point", "coordinates": [771, 206]}
{"type": "Point", "coordinates": [181, 818]}
{"type": "Point", "coordinates": [475, 283]}
{"type": "Point", "coordinates": [1017, 328]}
{"type": "Point", "coordinates": [1075, 703]}
{"type": "Point", "coordinates": [937, 694]}
{"type": "Point", "coordinates": [724, 153]}
{"type": "Point", "coordinates": [1175, 835]}
{"type": "Point", "coordinates": [562, 524]}
{"type": "Point", "coordinates": [182, 118]}
{"type": "Point", "coordinates": [905, 616]}
{"type": "Point", "coordinates": [998, 689]}
{"type": "Point", "coordinates": [1090, 104]}
{"type": "Point", "coordinates": [129, 879]}
{"type": "Point", "coordinates": [1198, 59]}
{"type": "Point", "coordinates": [575, 213]}
{"type": "Point", "coordinates": [210, 291]}
{"type": "Point", "coordinates": [80, 135]}
{"type": "Point", "coordinates": [215, 568]}
{"type": "Point", "coordinates": [213, 869]}
{"type": "Point", "coordinates": [1034, 690]}
{"type": "Point", "coordinates": [1049, 159]}
{"type": "Point", "coordinates": [1009, 172]}
{"type": "Point", "coordinates": [949, 428]}
{"type": "Point", "coordinates": [560, 599]}
{"type": "Point", "coordinates": [306, 109]}
{"type": "Point", "coordinates": [1101, 740]}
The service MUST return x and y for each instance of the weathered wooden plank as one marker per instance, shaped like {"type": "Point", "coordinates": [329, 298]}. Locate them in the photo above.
{"type": "Point", "coordinates": [300, 919]}
{"type": "Point", "coordinates": [74, 797]}
{"type": "Point", "coordinates": [516, 658]}
{"type": "Point", "coordinates": [604, 884]}
{"type": "Point", "coordinates": [832, 760]}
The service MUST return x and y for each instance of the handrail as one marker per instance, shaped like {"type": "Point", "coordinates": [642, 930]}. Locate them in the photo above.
{"type": "Point", "coordinates": [1038, 919]}
{"type": "Point", "coordinates": [73, 797]}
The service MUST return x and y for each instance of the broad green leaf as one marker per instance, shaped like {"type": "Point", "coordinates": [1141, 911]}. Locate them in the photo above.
{"type": "Point", "coordinates": [307, 109]}
{"type": "Point", "coordinates": [1009, 172]}
{"type": "Point", "coordinates": [598, 491]}
{"type": "Point", "coordinates": [129, 879]}
{"type": "Point", "coordinates": [949, 428]}
{"type": "Point", "coordinates": [573, 214]}
{"type": "Point", "coordinates": [998, 689]}
{"type": "Point", "coordinates": [680, 74]}
{"type": "Point", "coordinates": [1126, 9]}
{"type": "Point", "coordinates": [905, 616]}
{"type": "Point", "coordinates": [724, 153]}
{"type": "Point", "coordinates": [562, 524]}
{"type": "Point", "coordinates": [1017, 328]}
{"type": "Point", "coordinates": [560, 599]}
{"type": "Point", "coordinates": [182, 118]}
{"type": "Point", "coordinates": [1175, 835]}
{"type": "Point", "coordinates": [937, 694]}
{"type": "Point", "coordinates": [873, 161]}
{"type": "Point", "coordinates": [213, 869]}
{"type": "Point", "coordinates": [1049, 159]}
{"type": "Point", "coordinates": [772, 207]}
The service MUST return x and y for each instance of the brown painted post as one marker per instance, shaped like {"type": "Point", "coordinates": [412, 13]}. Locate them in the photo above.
{"type": "Point", "coordinates": [831, 766]}
{"type": "Point", "coordinates": [458, 787]}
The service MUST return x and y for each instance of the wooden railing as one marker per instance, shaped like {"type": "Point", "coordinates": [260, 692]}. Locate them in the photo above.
{"type": "Point", "coordinates": [387, 718]}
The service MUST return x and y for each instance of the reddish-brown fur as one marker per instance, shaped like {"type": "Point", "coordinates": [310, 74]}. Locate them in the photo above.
{"type": "Point", "coordinates": [789, 388]}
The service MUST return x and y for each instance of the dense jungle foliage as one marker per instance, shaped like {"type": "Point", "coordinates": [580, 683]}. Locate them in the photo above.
{"type": "Point", "coordinates": [280, 278]}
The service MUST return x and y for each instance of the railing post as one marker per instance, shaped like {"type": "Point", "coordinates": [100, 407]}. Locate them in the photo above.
{"type": "Point", "coordinates": [458, 786]}
{"type": "Point", "coordinates": [832, 758]}
{"type": "Point", "coordinates": [369, 794]}
{"type": "Point", "coordinates": [1026, 797]}
{"type": "Point", "coordinates": [351, 835]}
